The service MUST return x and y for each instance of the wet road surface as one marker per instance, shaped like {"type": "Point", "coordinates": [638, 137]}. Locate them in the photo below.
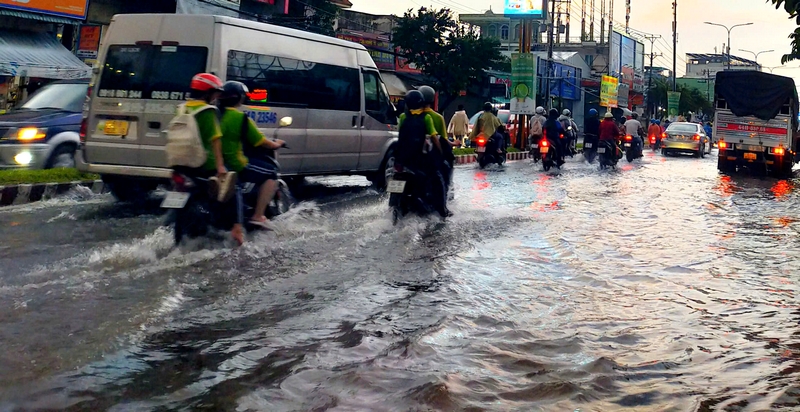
{"type": "Point", "coordinates": [661, 286]}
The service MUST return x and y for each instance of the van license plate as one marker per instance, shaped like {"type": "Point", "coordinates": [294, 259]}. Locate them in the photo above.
{"type": "Point", "coordinates": [396, 186]}
{"type": "Point", "coordinates": [750, 156]}
{"type": "Point", "coordinates": [116, 128]}
{"type": "Point", "coordinates": [175, 200]}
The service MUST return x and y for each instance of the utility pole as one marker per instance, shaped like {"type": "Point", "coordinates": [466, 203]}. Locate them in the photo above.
{"type": "Point", "coordinates": [603, 22]}
{"type": "Point", "coordinates": [583, 21]}
{"type": "Point", "coordinates": [591, 24]}
{"type": "Point", "coordinates": [675, 45]}
{"type": "Point", "coordinates": [627, 16]}
{"type": "Point", "coordinates": [550, 53]}
{"type": "Point", "coordinates": [653, 55]}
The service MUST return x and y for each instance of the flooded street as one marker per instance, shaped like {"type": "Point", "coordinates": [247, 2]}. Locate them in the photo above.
{"type": "Point", "coordinates": [661, 286]}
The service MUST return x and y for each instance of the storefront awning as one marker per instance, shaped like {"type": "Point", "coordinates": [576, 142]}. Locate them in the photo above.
{"type": "Point", "coordinates": [32, 54]}
{"type": "Point", "coordinates": [394, 85]}
{"type": "Point", "coordinates": [39, 17]}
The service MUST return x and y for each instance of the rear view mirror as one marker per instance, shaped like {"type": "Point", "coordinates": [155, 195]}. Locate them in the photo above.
{"type": "Point", "coordinates": [285, 121]}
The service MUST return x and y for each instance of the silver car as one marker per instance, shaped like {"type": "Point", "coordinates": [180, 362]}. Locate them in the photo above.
{"type": "Point", "coordinates": [685, 137]}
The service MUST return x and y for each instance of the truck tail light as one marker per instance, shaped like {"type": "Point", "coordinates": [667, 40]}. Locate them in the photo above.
{"type": "Point", "coordinates": [722, 145]}
{"type": "Point", "coordinates": [780, 151]}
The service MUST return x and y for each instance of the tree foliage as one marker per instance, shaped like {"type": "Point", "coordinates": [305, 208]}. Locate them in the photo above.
{"type": "Point", "coordinates": [692, 99]}
{"type": "Point", "coordinates": [451, 53]}
{"type": "Point", "coordinates": [316, 16]}
{"type": "Point", "coordinates": [793, 8]}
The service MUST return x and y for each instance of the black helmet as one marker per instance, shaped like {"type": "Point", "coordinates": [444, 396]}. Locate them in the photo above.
{"type": "Point", "coordinates": [553, 113]}
{"type": "Point", "coordinates": [414, 100]}
{"type": "Point", "coordinates": [428, 94]}
{"type": "Point", "coordinates": [487, 107]}
{"type": "Point", "coordinates": [233, 93]}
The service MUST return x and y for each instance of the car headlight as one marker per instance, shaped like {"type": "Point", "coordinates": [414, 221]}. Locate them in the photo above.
{"type": "Point", "coordinates": [26, 134]}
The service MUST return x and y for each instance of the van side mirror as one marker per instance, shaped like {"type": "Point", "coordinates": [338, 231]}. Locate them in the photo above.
{"type": "Point", "coordinates": [285, 121]}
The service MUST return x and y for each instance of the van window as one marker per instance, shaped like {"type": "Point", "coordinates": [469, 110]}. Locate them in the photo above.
{"type": "Point", "coordinates": [280, 81]}
{"type": "Point", "coordinates": [150, 72]}
{"type": "Point", "coordinates": [377, 103]}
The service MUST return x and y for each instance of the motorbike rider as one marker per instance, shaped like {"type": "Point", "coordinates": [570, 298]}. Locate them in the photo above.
{"type": "Point", "coordinates": [553, 131]}
{"type": "Point", "coordinates": [486, 124]}
{"type": "Point", "coordinates": [537, 125]}
{"type": "Point", "coordinates": [240, 134]}
{"type": "Point", "coordinates": [570, 130]}
{"type": "Point", "coordinates": [429, 94]}
{"type": "Point", "coordinates": [591, 128]}
{"type": "Point", "coordinates": [609, 133]}
{"type": "Point", "coordinates": [654, 130]}
{"type": "Point", "coordinates": [634, 129]}
{"type": "Point", "coordinates": [414, 152]}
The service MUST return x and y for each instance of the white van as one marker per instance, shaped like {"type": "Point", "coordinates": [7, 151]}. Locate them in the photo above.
{"type": "Point", "coordinates": [343, 120]}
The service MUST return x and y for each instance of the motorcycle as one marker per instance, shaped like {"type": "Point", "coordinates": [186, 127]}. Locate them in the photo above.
{"type": "Point", "coordinates": [195, 212]}
{"type": "Point", "coordinates": [632, 150]}
{"type": "Point", "coordinates": [409, 192]}
{"type": "Point", "coordinates": [655, 142]}
{"type": "Point", "coordinates": [590, 146]}
{"type": "Point", "coordinates": [550, 154]}
{"type": "Point", "coordinates": [487, 152]}
{"type": "Point", "coordinates": [607, 154]}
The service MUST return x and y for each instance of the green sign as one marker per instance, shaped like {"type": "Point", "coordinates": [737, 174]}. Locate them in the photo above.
{"type": "Point", "coordinates": [673, 101]}
{"type": "Point", "coordinates": [523, 83]}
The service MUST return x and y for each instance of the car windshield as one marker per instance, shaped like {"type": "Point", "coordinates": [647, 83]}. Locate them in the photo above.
{"type": "Point", "coordinates": [475, 118]}
{"type": "Point", "coordinates": [683, 128]}
{"type": "Point", "coordinates": [60, 96]}
{"type": "Point", "coordinates": [503, 116]}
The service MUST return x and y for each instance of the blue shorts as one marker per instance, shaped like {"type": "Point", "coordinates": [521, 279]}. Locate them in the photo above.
{"type": "Point", "coordinates": [257, 172]}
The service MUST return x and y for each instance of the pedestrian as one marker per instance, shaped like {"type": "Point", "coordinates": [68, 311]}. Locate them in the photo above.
{"type": "Point", "coordinates": [459, 125]}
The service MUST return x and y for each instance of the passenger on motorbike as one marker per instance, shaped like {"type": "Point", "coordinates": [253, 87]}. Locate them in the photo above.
{"type": "Point", "coordinates": [553, 131]}
{"type": "Point", "coordinates": [429, 94]}
{"type": "Point", "coordinates": [570, 130]}
{"type": "Point", "coordinates": [591, 128]}
{"type": "Point", "coordinates": [537, 125]}
{"type": "Point", "coordinates": [634, 129]}
{"type": "Point", "coordinates": [655, 130]}
{"type": "Point", "coordinates": [609, 133]}
{"type": "Point", "coordinates": [240, 133]}
{"type": "Point", "coordinates": [416, 153]}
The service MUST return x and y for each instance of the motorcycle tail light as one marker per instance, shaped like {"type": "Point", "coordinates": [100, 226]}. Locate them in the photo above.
{"type": "Point", "coordinates": [481, 142]}
{"type": "Point", "coordinates": [628, 137]}
{"type": "Point", "coordinates": [652, 139]}
{"type": "Point", "coordinates": [181, 182]}
{"type": "Point", "coordinates": [544, 143]}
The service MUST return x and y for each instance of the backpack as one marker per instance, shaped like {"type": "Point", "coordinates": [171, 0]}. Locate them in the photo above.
{"type": "Point", "coordinates": [184, 144]}
{"type": "Point", "coordinates": [412, 139]}
{"type": "Point", "coordinates": [536, 127]}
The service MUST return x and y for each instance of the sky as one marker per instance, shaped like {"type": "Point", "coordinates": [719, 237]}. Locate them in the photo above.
{"type": "Point", "coordinates": [770, 29]}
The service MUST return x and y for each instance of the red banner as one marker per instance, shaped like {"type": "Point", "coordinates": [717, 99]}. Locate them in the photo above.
{"type": "Point", "coordinates": [753, 129]}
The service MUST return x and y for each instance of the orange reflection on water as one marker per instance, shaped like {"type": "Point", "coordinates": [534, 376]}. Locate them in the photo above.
{"type": "Point", "coordinates": [782, 188]}
{"type": "Point", "coordinates": [480, 181]}
{"type": "Point", "coordinates": [784, 221]}
{"type": "Point", "coordinates": [725, 187]}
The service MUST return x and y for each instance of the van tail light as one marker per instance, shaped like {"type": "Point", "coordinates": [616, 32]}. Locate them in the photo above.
{"type": "Point", "coordinates": [779, 151]}
{"type": "Point", "coordinates": [83, 129]}
{"type": "Point", "coordinates": [696, 138]}
{"type": "Point", "coordinates": [722, 145]}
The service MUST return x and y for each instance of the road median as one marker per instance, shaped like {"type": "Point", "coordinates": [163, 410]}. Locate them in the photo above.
{"type": "Point", "coordinates": [26, 186]}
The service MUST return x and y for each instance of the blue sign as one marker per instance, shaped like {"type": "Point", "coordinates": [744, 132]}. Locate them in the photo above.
{"type": "Point", "coordinates": [565, 82]}
{"type": "Point", "coordinates": [524, 8]}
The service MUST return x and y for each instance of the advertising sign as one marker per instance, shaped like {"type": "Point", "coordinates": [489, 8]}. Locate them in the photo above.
{"type": "Point", "coordinates": [379, 49]}
{"type": "Point", "coordinates": [608, 91]}
{"type": "Point", "coordinates": [523, 81]}
{"type": "Point", "coordinates": [89, 42]}
{"type": "Point", "coordinates": [614, 57]}
{"type": "Point", "coordinates": [524, 8]}
{"type": "Point", "coordinates": [75, 9]}
{"type": "Point", "coordinates": [623, 91]}
{"type": "Point", "coordinates": [673, 102]}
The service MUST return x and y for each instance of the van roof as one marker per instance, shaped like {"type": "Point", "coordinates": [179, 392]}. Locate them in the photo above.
{"type": "Point", "coordinates": [249, 24]}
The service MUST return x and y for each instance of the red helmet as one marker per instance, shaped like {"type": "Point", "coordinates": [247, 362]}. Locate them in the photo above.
{"type": "Point", "coordinates": [205, 82]}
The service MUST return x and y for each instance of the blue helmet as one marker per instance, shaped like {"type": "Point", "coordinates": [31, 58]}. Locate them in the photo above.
{"type": "Point", "coordinates": [658, 121]}
{"type": "Point", "coordinates": [593, 112]}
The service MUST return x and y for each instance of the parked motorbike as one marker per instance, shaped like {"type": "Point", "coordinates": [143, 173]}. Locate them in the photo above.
{"type": "Point", "coordinates": [607, 154]}
{"type": "Point", "coordinates": [196, 212]}
{"type": "Point", "coordinates": [632, 150]}
{"type": "Point", "coordinates": [486, 151]}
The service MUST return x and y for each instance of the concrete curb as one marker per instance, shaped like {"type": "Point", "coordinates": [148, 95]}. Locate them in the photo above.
{"type": "Point", "coordinates": [28, 193]}
{"type": "Point", "coordinates": [471, 158]}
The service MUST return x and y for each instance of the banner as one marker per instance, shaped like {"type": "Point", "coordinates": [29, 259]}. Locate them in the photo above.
{"type": "Point", "coordinates": [532, 9]}
{"type": "Point", "coordinates": [673, 102]}
{"type": "Point", "coordinates": [523, 81]}
{"type": "Point", "coordinates": [89, 42]}
{"type": "Point", "coordinates": [75, 9]}
{"type": "Point", "coordinates": [608, 91]}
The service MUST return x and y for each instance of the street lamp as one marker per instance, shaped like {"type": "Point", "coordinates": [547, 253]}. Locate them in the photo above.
{"type": "Point", "coordinates": [729, 36]}
{"type": "Point", "coordinates": [755, 55]}
{"type": "Point", "coordinates": [779, 67]}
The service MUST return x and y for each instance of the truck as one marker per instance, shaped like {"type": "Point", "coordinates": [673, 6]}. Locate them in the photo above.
{"type": "Point", "coordinates": [756, 122]}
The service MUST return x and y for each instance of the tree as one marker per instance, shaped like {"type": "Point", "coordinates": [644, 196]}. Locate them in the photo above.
{"type": "Point", "coordinates": [317, 16]}
{"type": "Point", "coordinates": [793, 8]}
{"type": "Point", "coordinates": [451, 53]}
{"type": "Point", "coordinates": [692, 99]}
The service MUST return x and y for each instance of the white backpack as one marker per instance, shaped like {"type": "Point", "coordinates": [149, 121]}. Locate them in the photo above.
{"type": "Point", "coordinates": [184, 145]}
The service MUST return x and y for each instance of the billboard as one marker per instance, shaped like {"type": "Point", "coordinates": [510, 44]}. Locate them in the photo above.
{"type": "Point", "coordinates": [523, 83]}
{"type": "Point", "coordinates": [608, 92]}
{"type": "Point", "coordinates": [75, 9]}
{"type": "Point", "coordinates": [89, 41]}
{"type": "Point", "coordinates": [614, 58]}
{"type": "Point", "coordinates": [379, 49]}
{"type": "Point", "coordinates": [524, 8]}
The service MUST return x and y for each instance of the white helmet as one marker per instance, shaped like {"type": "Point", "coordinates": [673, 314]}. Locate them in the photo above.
{"type": "Point", "coordinates": [540, 110]}
{"type": "Point", "coordinates": [566, 112]}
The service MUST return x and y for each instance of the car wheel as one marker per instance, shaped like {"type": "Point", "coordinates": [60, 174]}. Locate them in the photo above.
{"type": "Point", "coordinates": [63, 157]}
{"type": "Point", "coordinates": [701, 152]}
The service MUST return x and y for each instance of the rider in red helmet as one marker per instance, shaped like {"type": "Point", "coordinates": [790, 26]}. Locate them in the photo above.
{"type": "Point", "coordinates": [205, 89]}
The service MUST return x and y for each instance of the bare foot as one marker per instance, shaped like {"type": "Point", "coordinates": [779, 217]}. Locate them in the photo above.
{"type": "Point", "coordinates": [238, 234]}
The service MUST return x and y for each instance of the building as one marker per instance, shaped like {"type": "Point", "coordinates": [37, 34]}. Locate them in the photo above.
{"type": "Point", "coordinates": [505, 30]}
{"type": "Point", "coordinates": [701, 66]}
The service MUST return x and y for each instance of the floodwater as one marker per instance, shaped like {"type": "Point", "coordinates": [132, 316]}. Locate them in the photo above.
{"type": "Point", "coordinates": [661, 286]}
